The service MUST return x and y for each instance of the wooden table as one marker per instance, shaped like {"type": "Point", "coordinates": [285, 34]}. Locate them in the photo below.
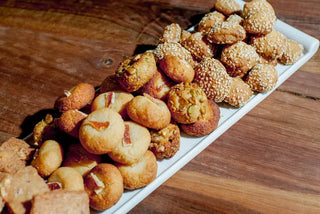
{"type": "Point", "coordinates": [269, 162]}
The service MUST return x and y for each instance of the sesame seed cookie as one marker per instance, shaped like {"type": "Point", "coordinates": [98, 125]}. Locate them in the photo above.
{"type": "Point", "coordinates": [70, 122]}
{"type": "Point", "coordinates": [291, 53]}
{"type": "Point", "coordinates": [209, 20]}
{"type": "Point", "coordinates": [101, 131]}
{"type": "Point", "coordinates": [267, 60]}
{"type": "Point", "coordinates": [184, 35]}
{"type": "Point", "coordinates": [212, 77]}
{"type": "Point", "coordinates": [240, 93]}
{"type": "Point", "coordinates": [227, 7]}
{"type": "Point", "coordinates": [171, 33]}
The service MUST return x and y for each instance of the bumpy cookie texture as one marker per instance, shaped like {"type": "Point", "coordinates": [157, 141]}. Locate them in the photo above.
{"type": "Point", "coordinates": [171, 33]}
{"type": "Point", "coordinates": [187, 102]}
{"type": "Point", "coordinates": [115, 100]}
{"type": "Point", "coordinates": [110, 83]}
{"type": "Point", "coordinates": [209, 20]}
{"type": "Point", "coordinates": [48, 158]}
{"type": "Point", "coordinates": [206, 124]}
{"type": "Point", "coordinates": [135, 143]}
{"type": "Point", "coordinates": [61, 201]}
{"type": "Point", "coordinates": [239, 58]}
{"type": "Point", "coordinates": [184, 35]}
{"type": "Point", "coordinates": [149, 112]}
{"type": "Point", "coordinates": [67, 178]}
{"type": "Point", "coordinates": [75, 98]}
{"type": "Point", "coordinates": [267, 60]}
{"type": "Point", "coordinates": [227, 7]}
{"type": "Point", "coordinates": [240, 93]}
{"type": "Point", "coordinates": [104, 185]}
{"type": "Point", "coordinates": [292, 52]}
{"type": "Point", "coordinates": [166, 142]}
{"type": "Point", "coordinates": [176, 69]}
{"type": "Point", "coordinates": [198, 46]}
{"type": "Point", "coordinates": [262, 78]}
{"type": "Point", "coordinates": [70, 122]}
{"type": "Point", "coordinates": [135, 71]}
{"type": "Point", "coordinates": [271, 45]}
{"type": "Point", "coordinates": [79, 159]}
{"type": "Point", "coordinates": [44, 130]}
{"type": "Point", "coordinates": [212, 77]}
{"type": "Point", "coordinates": [101, 131]}
{"type": "Point", "coordinates": [139, 174]}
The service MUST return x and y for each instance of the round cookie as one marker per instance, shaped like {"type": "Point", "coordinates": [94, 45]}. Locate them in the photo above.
{"type": "Point", "coordinates": [187, 102]}
{"type": "Point", "coordinates": [239, 94]}
{"type": "Point", "coordinates": [227, 7]}
{"type": "Point", "coordinates": [104, 186]}
{"type": "Point", "coordinates": [101, 131]}
{"type": "Point", "coordinates": [149, 112]}
{"type": "Point", "coordinates": [171, 33]}
{"type": "Point", "coordinates": [70, 122]}
{"type": "Point", "coordinates": [166, 142]}
{"type": "Point", "coordinates": [139, 174]}
{"type": "Point", "coordinates": [75, 98]}
{"type": "Point", "coordinates": [206, 124]}
{"type": "Point", "coordinates": [134, 144]}
{"type": "Point", "coordinates": [67, 178]}
{"type": "Point", "coordinates": [209, 20]}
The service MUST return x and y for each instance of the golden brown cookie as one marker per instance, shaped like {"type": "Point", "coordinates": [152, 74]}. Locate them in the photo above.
{"type": "Point", "coordinates": [135, 143]}
{"type": "Point", "coordinates": [165, 142]}
{"type": "Point", "coordinates": [70, 122]}
{"type": "Point", "coordinates": [291, 53]}
{"type": "Point", "coordinates": [267, 60]}
{"type": "Point", "coordinates": [75, 98]}
{"type": "Point", "coordinates": [101, 131]}
{"type": "Point", "coordinates": [212, 77]}
{"type": "Point", "coordinates": [67, 178]}
{"type": "Point", "coordinates": [171, 33]}
{"type": "Point", "coordinates": [262, 78]}
{"type": "Point", "coordinates": [141, 173]}
{"type": "Point", "coordinates": [110, 83]}
{"type": "Point", "coordinates": [206, 124]}
{"type": "Point", "coordinates": [184, 35]}
{"type": "Point", "coordinates": [227, 7]}
{"type": "Point", "coordinates": [44, 130]}
{"type": "Point", "coordinates": [187, 102]}
{"type": "Point", "coordinates": [136, 71]}
{"type": "Point", "coordinates": [239, 58]}
{"type": "Point", "coordinates": [239, 94]}
{"type": "Point", "coordinates": [209, 20]}
{"type": "Point", "coordinates": [104, 185]}
{"type": "Point", "coordinates": [149, 112]}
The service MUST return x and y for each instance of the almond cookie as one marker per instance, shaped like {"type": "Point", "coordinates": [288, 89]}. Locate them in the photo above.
{"type": "Point", "coordinates": [101, 131]}
{"type": "Point", "coordinates": [141, 173]}
{"type": "Point", "coordinates": [75, 98]}
{"type": "Point", "coordinates": [209, 20]}
{"type": "Point", "coordinates": [171, 33]}
{"type": "Point", "coordinates": [239, 58]}
{"type": "Point", "coordinates": [187, 102]}
{"type": "Point", "coordinates": [135, 71]}
{"type": "Point", "coordinates": [149, 112]}
{"type": "Point", "coordinates": [70, 122]}
{"type": "Point", "coordinates": [212, 77]}
{"type": "Point", "coordinates": [206, 124]}
{"type": "Point", "coordinates": [270, 45]}
{"type": "Point", "coordinates": [110, 83]}
{"type": "Point", "coordinates": [166, 142]}
{"type": "Point", "coordinates": [262, 78]}
{"type": "Point", "coordinates": [135, 143]}
{"type": "Point", "coordinates": [291, 53]}
{"type": "Point", "coordinates": [66, 178]}
{"type": "Point", "coordinates": [227, 7]}
{"type": "Point", "coordinates": [104, 185]}
{"type": "Point", "coordinates": [116, 100]}
{"type": "Point", "coordinates": [239, 94]}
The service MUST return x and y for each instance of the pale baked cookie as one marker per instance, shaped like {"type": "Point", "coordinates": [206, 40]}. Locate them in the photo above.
{"type": "Point", "coordinates": [104, 185]}
{"type": "Point", "coordinates": [136, 71]}
{"type": "Point", "coordinates": [79, 159]}
{"type": "Point", "coordinates": [115, 100]}
{"type": "Point", "coordinates": [149, 112]}
{"type": "Point", "coordinates": [209, 20]}
{"type": "Point", "coordinates": [75, 98]}
{"type": "Point", "coordinates": [135, 143]}
{"type": "Point", "coordinates": [291, 53]}
{"type": "Point", "coordinates": [110, 83]}
{"type": "Point", "coordinates": [48, 158]}
{"type": "Point", "coordinates": [239, 94]}
{"type": "Point", "coordinates": [206, 124]}
{"type": "Point", "coordinates": [227, 7]}
{"type": "Point", "coordinates": [165, 142]}
{"type": "Point", "coordinates": [171, 33]}
{"type": "Point", "coordinates": [271, 45]}
{"type": "Point", "coordinates": [70, 122]}
{"type": "Point", "coordinates": [212, 77]}
{"type": "Point", "coordinates": [141, 173]}
{"type": "Point", "coordinates": [176, 69]}
{"type": "Point", "coordinates": [262, 78]}
{"type": "Point", "coordinates": [67, 178]}
{"type": "Point", "coordinates": [101, 131]}
{"type": "Point", "coordinates": [239, 58]}
{"type": "Point", "coordinates": [187, 102]}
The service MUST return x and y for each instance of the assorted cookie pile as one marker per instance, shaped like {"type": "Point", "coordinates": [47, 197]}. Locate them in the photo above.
{"type": "Point", "coordinates": [103, 142]}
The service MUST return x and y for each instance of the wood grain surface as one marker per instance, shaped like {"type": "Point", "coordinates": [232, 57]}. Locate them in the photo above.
{"type": "Point", "coordinates": [268, 162]}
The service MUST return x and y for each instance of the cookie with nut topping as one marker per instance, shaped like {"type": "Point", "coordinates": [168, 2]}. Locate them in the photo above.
{"type": "Point", "coordinates": [227, 7]}
{"type": "Point", "coordinates": [171, 33]}
{"type": "Point", "coordinates": [291, 53]}
{"type": "Point", "coordinates": [239, 94]}
{"type": "Point", "coordinates": [209, 20]}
